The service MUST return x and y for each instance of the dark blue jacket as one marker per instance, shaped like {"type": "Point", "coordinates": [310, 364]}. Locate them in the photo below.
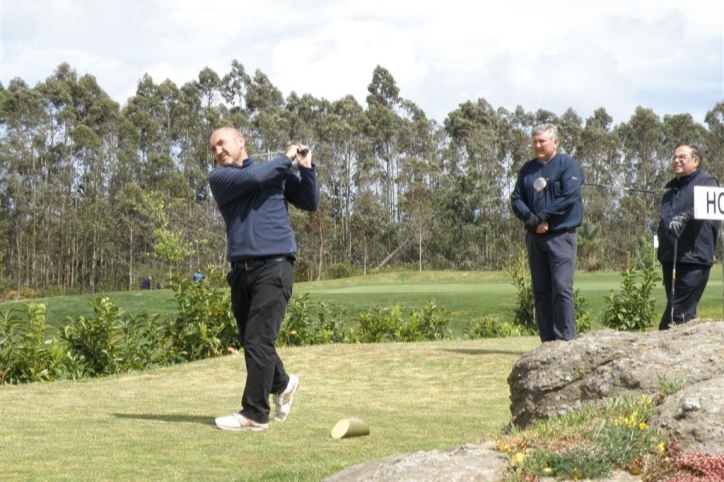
{"type": "Point", "coordinates": [559, 203]}
{"type": "Point", "coordinates": [253, 201]}
{"type": "Point", "coordinates": [698, 238]}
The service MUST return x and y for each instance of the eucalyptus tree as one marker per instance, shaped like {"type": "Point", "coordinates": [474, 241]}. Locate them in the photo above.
{"type": "Point", "coordinates": [570, 127]}
{"type": "Point", "coordinates": [234, 86]}
{"type": "Point", "coordinates": [369, 225]}
{"type": "Point", "coordinates": [341, 141]}
{"type": "Point", "coordinates": [715, 141]}
{"type": "Point", "coordinates": [600, 159]}
{"type": "Point", "coordinates": [480, 181]}
{"type": "Point", "coordinates": [265, 107]}
{"type": "Point", "coordinates": [23, 114]}
{"type": "Point", "coordinates": [641, 140]}
{"type": "Point", "coordinates": [384, 129]}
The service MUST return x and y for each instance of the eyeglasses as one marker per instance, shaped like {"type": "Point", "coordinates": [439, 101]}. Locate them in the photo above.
{"type": "Point", "coordinates": [681, 157]}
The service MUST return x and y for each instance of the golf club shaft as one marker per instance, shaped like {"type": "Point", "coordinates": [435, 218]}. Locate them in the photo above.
{"type": "Point", "coordinates": [673, 280]}
{"type": "Point", "coordinates": [632, 189]}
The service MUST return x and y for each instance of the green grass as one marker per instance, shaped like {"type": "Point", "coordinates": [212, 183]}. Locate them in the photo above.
{"type": "Point", "coordinates": [466, 295]}
{"type": "Point", "coordinates": [158, 425]}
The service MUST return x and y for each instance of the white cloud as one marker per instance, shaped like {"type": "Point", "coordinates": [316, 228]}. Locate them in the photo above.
{"type": "Point", "coordinates": [551, 55]}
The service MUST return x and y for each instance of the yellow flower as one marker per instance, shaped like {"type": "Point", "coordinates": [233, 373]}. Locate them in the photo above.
{"type": "Point", "coordinates": [518, 459]}
{"type": "Point", "coordinates": [643, 426]}
{"type": "Point", "coordinates": [548, 471]}
{"type": "Point", "coordinates": [662, 447]}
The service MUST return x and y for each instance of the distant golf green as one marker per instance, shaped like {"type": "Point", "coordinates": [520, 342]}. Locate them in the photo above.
{"type": "Point", "coordinates": [466, 295]}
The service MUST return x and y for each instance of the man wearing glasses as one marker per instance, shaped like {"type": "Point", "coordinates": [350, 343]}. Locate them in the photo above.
{"type": "Point", "coordinates": [684, 242]}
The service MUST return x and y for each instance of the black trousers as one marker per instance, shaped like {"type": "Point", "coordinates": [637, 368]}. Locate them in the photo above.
{"type": "Point", "coordinates": [552, 259]}
{"type": "Point", "coordinates": [691, 280]}
{"type": "Point", "coordinates": [259, 299]}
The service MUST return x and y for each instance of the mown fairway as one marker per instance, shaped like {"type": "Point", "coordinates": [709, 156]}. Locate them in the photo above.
{"type": "Point", "coordinates": [466, 295]}
{"type": "Point", "coordinates": [158, 425]}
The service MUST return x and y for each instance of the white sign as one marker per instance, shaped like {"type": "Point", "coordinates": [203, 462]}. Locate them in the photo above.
{"type": "Point", "coordinates": [708, 202]}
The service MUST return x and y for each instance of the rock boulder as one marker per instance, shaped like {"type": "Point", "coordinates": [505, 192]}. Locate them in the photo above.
{"type": "Point", "coordinates": [558, 377]}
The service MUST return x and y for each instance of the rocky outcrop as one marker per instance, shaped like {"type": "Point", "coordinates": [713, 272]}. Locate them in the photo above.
{"type": "Point", "coordinates": [468, 463]}
{"type": "Point", "coordinates": [480, 463]}
{"type": "Point", "coordinates": [559, 376]}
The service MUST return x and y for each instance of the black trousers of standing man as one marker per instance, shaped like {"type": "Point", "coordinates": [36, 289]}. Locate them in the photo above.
{"type": "Point", "coordinates": [259, 298]}
{"type": "Point", "coordinates": [691, 280]}
{"type": "Point", "coordinates": [552, 259]}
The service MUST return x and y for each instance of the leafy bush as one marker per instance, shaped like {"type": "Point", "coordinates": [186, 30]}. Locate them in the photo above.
{"type": "Point", "coordinates": [388, 324]}
{"type": "Point", "coordinates": [379, 324]}
{"type": "Point", "coordinates": [205, 325]}
{"type": "Point", "coordinates": [583, 316]}
{"type": "Point", "coordinates": [94, 343]}
{"type": "Point", "coordinates": [142, 346]}
{"type": "Point", "coordinates": [308, 323]}
{"type": "Point", "coordinates": [490, 326]}
{"type": "Point", "coordinates": [633, 308]}
{"type": "Point", "coordinates": [342, 270]}
{"type": "Point", "coordinates": [524, 312]}
{"type": "Point", "coordinates": [26, 354]}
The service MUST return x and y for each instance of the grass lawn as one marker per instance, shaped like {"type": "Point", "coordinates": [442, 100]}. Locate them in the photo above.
{"type": "Point", "coordinates": [466, 295]}
{"type": "Point", "coordinates": [158, 425]}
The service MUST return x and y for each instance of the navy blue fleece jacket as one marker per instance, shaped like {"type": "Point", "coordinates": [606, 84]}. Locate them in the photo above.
{"type": "Point", "coordinates": [253, 201]}
{"type": "Point", "coordinates": [560, 202]}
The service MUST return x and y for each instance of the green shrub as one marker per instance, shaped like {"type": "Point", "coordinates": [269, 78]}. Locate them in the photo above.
{"type": "Point", "coordinates": [633, 308]}
{"type": "Point", "coordinates": [94, 343]}
{"type": "Point", "coordinates": [309, 323]}
{"type": "Point", "coordinates": [342, 270]}
{"type": "Point", "coordinates": [26, 353]}
{"type": "Point", "coordinates": [430, 323]}
{"type": "Point", "coordinates": [490, 326]}
{"type": "Point", "coordinates": [583, 316]}
{"type": "Point", "coordinates": [205, 325]}
{"type": "Point", "coordinates": [524, 312]}
{"type": "Point", "coordinates": [389, 324]}
{"type": "Point", "coordinates": [142, 346]}
{"type": "Point", "coordinates": [379, 324]}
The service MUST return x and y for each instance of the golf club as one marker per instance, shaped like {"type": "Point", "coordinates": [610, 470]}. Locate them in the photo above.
{"type": "Point", "coordinates": [632, 189]}
{"type": "Point", "coordinates": [673, 280]}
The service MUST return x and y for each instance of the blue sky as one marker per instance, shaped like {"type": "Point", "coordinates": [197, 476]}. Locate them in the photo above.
{"type": "Point", "coordinates": [667, 55]}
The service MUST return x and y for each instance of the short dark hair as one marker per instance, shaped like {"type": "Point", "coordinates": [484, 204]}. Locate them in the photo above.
{"type": "Point", "coordinates": [696, 149]}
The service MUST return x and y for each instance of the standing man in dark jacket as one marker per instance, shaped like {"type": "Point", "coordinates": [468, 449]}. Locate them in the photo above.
{"type": "Point", "coordinates": [547, 198]}
{"type": "Point", "coordinates": [696, 238]}
{"type": "Point", "coordinates": [261, 247]}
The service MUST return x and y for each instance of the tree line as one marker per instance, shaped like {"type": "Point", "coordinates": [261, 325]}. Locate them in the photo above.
{"type": "Point", "coordinates": [95, 195]}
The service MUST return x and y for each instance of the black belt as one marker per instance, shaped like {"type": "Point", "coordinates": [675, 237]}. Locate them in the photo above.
{"type": "Point", "coordinates": [249, 264]}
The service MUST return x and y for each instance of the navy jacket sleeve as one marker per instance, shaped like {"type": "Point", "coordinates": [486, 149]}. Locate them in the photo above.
{"type": "Point", "coordinates": [230, 183]}
{"type": "Point", "coordinates": [302, 191]}
{"type": "Point", "coordinates": [519, 198]}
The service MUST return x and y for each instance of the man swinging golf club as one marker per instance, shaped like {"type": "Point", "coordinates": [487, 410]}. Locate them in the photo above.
{"type": "Point", "coordinates": [686, 245]}
{"type": "Point", "coordinates": [253, 199]}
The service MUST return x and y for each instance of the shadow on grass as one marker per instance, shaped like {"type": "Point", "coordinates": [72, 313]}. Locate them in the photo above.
{"type": "Point", "coordinates": [167, 418]}
{"type": "Point", "coordinates": [469, 351]}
